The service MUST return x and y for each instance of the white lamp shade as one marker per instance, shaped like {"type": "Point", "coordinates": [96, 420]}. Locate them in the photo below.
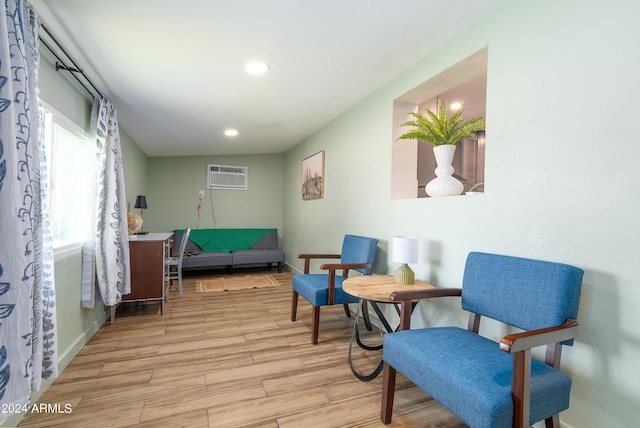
{"type": "Point", "coordinates": [405, 249]}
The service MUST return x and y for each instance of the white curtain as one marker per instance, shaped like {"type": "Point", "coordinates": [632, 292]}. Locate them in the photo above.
{"type": "Point", "coordinates": [27, 291]}
{"type": "Point", "coordinates": [112, 238]}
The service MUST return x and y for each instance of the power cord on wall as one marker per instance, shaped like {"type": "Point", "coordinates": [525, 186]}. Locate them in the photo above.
{"type": "Point", "coordinates": [213, 216]}
{"type": "Point", "coordinates": [198, 208]}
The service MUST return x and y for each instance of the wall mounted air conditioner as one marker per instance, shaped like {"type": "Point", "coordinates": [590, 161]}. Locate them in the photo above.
{"type": "Point", "coordinates": [227, 177]}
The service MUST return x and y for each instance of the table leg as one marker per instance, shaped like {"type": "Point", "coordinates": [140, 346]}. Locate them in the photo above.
{"type": "Point", "coordinates": [355, 335]}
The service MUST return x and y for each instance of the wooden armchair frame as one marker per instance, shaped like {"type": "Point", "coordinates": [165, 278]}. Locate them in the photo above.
{"type": "Point", "coordinates": [331, 268]}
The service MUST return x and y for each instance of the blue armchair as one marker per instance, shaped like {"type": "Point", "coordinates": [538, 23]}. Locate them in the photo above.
{"type": "Point", "coordinates": [485, 383]}
{"type": "Point", "coordinates": [324, 289]}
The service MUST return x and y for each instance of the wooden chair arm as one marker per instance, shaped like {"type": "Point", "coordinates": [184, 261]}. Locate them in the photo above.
{"type": "Point", "coordinates": [407, 297]}
{"type": "Point", "coordinates": [318, 256]}
{"type": "Point", "coordinates": [534, 338]}
{"type": "Point", "coordinates": [308, 256]}
{"type": "Point", "coordinates": [520, 345]}
{"type": "Point", "coordinates": [347, 266]}
{"type": "Point", "coordinates": [332, 267]}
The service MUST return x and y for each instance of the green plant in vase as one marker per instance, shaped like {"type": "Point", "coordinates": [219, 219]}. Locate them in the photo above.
{"type": "Point", "coordinates": [443, 131]}
{"type": "Point", "coordinates": [442, 128]}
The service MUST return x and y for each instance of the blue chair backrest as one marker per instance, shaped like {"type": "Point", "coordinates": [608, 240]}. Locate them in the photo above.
{"type": "Point", "coordinates": [525, 293]}
{"type": "Point", "coordinates": [358, 249]}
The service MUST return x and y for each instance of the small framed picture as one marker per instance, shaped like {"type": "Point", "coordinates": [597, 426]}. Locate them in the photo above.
{"type": "Point", "coordinates": [313, 177]}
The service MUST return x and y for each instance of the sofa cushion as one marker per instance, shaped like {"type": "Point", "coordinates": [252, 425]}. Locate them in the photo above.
{"type": "Point", "coordinates": [192, 247]}
{"type": "Point", "coordinates": [268, 242]}
{"type": "Point", "coordinates": [228, 240]}
{"type": "Point", "coordinates": [205, 260]}
{"type": "Point", "coordinates": [257, 256]}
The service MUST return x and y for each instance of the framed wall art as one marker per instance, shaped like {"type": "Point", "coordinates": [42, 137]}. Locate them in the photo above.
{"type": "Point", "coordinates": [313, 177]}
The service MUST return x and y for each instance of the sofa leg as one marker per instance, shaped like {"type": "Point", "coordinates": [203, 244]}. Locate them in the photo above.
{"type": "Point", "coordinates": [279, 267]}
{"type": "Point", "coordinates": [294, 306]}
{"type": "Point", "coordinates": [388, 391]}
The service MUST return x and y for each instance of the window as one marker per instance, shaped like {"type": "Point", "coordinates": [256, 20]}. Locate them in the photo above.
{"type": "Point", "coordinates": [71, 163]}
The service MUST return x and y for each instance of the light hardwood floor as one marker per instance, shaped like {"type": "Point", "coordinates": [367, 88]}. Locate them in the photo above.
{"type": "Point", "coordinates": [227, 359]}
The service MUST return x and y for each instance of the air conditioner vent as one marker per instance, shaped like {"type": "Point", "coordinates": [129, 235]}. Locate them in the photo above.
{"type": "Point", "coordinates": [227, 177]}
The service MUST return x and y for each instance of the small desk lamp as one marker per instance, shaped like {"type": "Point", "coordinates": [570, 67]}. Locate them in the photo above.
{"type": "Point", "coordinates": [405, 251]}
{"type": "Point", "coordinates": [141, 203]}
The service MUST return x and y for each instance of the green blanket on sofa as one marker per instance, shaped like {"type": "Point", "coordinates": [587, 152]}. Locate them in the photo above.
{"type": "Point", "coordinates": [226, 240]}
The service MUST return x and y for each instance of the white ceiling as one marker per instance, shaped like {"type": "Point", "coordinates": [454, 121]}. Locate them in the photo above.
{"type": "Point", "coordinates": [174, 70]}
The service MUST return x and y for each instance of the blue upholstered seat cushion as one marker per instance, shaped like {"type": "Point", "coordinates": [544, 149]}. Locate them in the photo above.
{"type": "Point", "coordinates": [313, 287]}
{"type": "Point", "coordinates": [471, 376]}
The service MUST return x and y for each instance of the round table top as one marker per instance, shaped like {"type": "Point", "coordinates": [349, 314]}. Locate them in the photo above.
{"type": "Point", "coordinates": [378, 287]}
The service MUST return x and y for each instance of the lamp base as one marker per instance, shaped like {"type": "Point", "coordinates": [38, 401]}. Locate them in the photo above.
{"type": "Point", "coordinates": [404, 275]}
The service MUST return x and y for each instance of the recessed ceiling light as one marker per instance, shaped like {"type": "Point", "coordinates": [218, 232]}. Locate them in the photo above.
{"type": "Point", "coordinates": [256, 67]}
{"type": "Point", "coordinates": [231, 132]}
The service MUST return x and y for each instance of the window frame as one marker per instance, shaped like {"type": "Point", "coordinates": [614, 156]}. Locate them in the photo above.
{"type": "Point", "coordinates": [51, 120]}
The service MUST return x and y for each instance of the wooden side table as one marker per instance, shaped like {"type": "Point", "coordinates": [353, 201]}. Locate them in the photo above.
{"type": "Point", "coordinates": [147, 254]}
{"type": "Point", "coordinates": [374, 289]}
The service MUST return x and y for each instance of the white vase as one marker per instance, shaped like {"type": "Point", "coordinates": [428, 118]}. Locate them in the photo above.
{"type": "Point", "coordinates": [444, 184]}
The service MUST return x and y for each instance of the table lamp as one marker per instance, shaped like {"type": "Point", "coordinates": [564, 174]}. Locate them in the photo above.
{"type": "Point", "coordinates": [141, 203]}
{"type": "Point", "coordinates": [405, 251]}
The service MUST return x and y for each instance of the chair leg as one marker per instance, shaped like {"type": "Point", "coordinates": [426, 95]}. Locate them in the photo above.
{"type": "Point", "coordinates": [316, 324]}
{"type": "Point", "coordinates": [166, 286]}
{"type": "Point", "coordinates": [294, 306]}
{"type": "Point", "coordinates": [552, 421]}
{"type": "Point", "coordinates": [180, 283]}
{"type": "Point", "coordinates": [388, 391]}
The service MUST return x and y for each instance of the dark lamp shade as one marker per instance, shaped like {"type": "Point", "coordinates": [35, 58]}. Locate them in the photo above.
{"type": "Point", "coordinates": [141, 202]}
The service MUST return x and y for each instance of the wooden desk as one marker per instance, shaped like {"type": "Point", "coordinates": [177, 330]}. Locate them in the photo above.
{"type": "Point", "coordinates": [147, 254]}
{"type": "Point", "coordinates": [374, 289]}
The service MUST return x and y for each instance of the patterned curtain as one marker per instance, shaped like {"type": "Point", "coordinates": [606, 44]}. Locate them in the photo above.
{"type": "Point", "coordinates": [112, 239]}
{"type": "Point", "coordinates": [27, 290]}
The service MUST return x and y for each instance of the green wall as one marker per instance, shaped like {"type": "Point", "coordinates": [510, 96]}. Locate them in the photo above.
{"type": "Point", "coordinates": [135, 166]}
{"type": "Point", "coordinates": [173, 185]}
{"type": "Point", "coordinates": [562, 88]}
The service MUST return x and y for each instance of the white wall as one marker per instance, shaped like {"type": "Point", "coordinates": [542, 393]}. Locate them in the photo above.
{"type": "Point", "coordinates": [561, 181]}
